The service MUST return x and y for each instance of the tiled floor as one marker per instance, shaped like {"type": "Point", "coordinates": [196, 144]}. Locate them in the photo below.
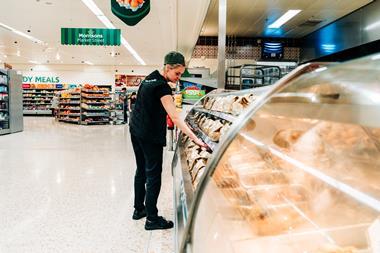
{"type": "Point", "coordinates": [68, 188]}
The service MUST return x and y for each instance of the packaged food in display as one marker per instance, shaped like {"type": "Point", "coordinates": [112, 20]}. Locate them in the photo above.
{"type": "Point", "coordinates": [279, 194]}
{"type": "Point", "coordinates": [226, 178]}
{"type": "Point", "coordinates": [215, 130]}
{"type": "Point", "coordinates": [227, 103]}
{"type": "Point", "coordinates": [237, 196]}
{"type": "Point", "coordinates": [199, 166]}
{"type": "Point", "coordinates": [218, 104]}
{"type": "Point", "coordinates": [272, 220]}
{"type": "Point", "coordinates": [239, 105]}
{"type": "Point", "coordinates": [285, 138]}
{"type": "Point", "coordinates": [208, 103]}
{"type": "Point", "coordinates": [224, 130]}
{"type": "Point", "coordinates": [252, 178]}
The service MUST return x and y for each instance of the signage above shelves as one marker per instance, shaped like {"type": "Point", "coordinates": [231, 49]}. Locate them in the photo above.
{"type": "Point", "coordinates": [90, 36]}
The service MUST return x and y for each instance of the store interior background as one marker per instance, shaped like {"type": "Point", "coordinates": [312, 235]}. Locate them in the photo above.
{"type": "Point", "coordinates": [325, 30]}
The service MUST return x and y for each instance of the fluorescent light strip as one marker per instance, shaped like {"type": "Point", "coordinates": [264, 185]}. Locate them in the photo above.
{"type": "Point", "coordinates": [372, 26]}
{"type": "Point", "coordinates": [99, 14]}
{"type": "Point", "coordinates": [34, 62]}
{"type": "Point", "coordinates": [22, 34]}
{"type": "Point", "coordinates": [284, 18]}
{"type": "Point", "coordinates": [88, 62]}
{"type": "Point", "coordinates": [359, 196]}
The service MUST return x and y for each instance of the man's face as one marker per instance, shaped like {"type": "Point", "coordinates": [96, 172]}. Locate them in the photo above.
{"type": "Point", "coordinates": [175, 74]}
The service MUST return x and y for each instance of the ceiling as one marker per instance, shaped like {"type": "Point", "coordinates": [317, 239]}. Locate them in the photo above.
{"type": "Point", "coordinates": [249, 18]}
{"type": "Point", "coordinates": [152, 38]}
{"type": "Point", "coordinates": [170, 25]}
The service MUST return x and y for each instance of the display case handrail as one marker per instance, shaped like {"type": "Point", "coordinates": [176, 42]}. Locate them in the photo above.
{"type": "Point", "coordinates": [221, 115]}
{"type": "Point", "coordinates": [235, 128]}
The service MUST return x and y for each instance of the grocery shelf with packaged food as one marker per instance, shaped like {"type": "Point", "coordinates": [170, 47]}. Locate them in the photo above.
{"type": "Point", "coordinates": [95, 105]}
{"type": "Point", "coordinates": [299, 171]}
{"type": "Point", "coordinates": [37, 98]}
{"type": "Point", "coordinates": [4, 103]}
{"type": "Point", "coordinates": [69, 109]}
{"type": "Point", "coordinates": [11, 120]}
{"type": "Point", "coordinates": [86, 106]}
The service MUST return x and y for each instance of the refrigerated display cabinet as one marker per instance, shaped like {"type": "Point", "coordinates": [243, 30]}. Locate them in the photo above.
{"type": "Point", "coordinates": [299, 170]}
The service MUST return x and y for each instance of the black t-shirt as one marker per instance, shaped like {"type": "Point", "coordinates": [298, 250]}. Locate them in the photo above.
{"type": "Point", "coordinates": [148, 121]}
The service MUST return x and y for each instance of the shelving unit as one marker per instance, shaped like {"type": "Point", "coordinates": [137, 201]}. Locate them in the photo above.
{"type": "Point", "coordinates": [11, 118]}
{"type": "Point", "coordinates": [95, 106]}
{"type": "Point", "coordinates": [250, 76]}
{"type": "Point", "coordinates": [69, 106]}
{"type": "Point", "coordinates": [4, 103]}
{"type": "Point", "coordinates": [38, 101]}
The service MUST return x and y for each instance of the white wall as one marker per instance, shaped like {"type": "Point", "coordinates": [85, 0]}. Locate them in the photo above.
{"type": "Point", "coordinates": [80, 74]}
{"type": "Point", "coordinates": [212, 64]}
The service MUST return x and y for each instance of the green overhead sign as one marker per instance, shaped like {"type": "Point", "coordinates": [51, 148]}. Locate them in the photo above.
{"type": "Point", "coordinates": [90, 36]}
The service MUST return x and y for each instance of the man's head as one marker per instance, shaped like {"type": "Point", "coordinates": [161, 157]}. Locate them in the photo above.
{"type": "Point", "coordinates": [124, 89]}
{"type": "Point", "coordinates": [174, 66]}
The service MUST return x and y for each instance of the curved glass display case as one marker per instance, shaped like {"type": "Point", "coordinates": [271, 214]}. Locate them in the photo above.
{"type": "Point", "coordinates": [299, 171]}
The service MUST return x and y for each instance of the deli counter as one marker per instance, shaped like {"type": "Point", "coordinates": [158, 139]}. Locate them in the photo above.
{"type": "Point", "coordinates": [296, 170]}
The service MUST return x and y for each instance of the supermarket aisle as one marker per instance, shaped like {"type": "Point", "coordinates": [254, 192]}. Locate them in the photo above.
{"type": "Point", "coordinates": [68, 188]}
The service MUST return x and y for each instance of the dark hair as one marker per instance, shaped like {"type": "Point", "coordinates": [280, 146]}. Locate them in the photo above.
{"type": "Point", "coordinates": [173, 58]}
{"type": "Point", "coordinates": [133, 93]}
{"type": "Point", "coordinates": [124, 89]}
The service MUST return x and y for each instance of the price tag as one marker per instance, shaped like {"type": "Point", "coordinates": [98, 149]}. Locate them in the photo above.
{"type": "Point", "coordinates": [374, 236]}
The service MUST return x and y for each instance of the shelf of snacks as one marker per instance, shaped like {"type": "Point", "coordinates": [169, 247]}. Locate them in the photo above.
{"type": "Point", "coordinates": [37, 98]}
{"type": "Point", "coordinates": [4, 103]}
{"type": "Point", "coordinates": [75, 120]}
{"type": "Point", "coordinates": [69, 106]}
{"type": "Point", "coordinates": [95, 105]}
{"type": "Point", "coordinates": [92, 121]}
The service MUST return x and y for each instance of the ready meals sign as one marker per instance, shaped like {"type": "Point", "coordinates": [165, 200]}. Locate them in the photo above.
{"type": "Point", "coordinates": [40, 79]}
{"type": "Point", "coordinates": [90, 36]}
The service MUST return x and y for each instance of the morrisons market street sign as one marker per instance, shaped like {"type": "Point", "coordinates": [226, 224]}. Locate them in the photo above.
{"type": "Point", "coordinates": [90, 36]}
{"type": "Point", "coordinates": [130, 11]}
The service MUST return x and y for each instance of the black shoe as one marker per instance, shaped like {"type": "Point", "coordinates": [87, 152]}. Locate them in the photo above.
{"type": "Point", "coordinates": [159, 223]}
{"type": "Point", "coordinates": [138, 214]}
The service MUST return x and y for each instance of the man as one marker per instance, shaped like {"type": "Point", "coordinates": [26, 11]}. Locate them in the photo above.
{"type": "Point", "coordinates": [148, 134]}
{"type": "Point", "coordinates": [124, 99]}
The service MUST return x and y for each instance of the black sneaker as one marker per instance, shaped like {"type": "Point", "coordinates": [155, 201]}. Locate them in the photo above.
{"type": "Point", "coordinates": [159, 223]}
{"type": "Point", "coordinates": [138, 214]}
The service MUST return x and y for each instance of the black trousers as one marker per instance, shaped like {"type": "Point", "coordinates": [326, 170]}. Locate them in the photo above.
{"type": "Point", "coordinates": [125, 113]}
{"type": "Point", "coordinates": [148, 175]}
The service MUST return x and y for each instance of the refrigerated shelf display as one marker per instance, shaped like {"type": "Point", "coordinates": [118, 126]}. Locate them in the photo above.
{"type": "Point", "coordinates": [302, 171]}
{"type": "Point", "coordinates": [4, 103]}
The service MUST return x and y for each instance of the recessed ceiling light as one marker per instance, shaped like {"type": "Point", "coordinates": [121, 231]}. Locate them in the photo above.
{"type": "Point", "coordinates": [95, 9]}
{"type": "Point", "coordinates": [284, 18]}
{"type": "Point", "coordinates": [22, 34]}
{"type": "Point", "coordinates": [88, 62]}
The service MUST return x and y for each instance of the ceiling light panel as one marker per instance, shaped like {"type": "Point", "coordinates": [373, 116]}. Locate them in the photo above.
{"type": "Point", "coordinates": [284, 18]}
{"type": "Point", "coordinates": [95, 9]}
{"type": "Point", "coordinates": [22, 34]}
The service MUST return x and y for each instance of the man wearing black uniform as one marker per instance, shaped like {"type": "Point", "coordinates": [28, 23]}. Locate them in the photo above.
{"type": "Point", "coordinates": [124, 98]}
{"type": "Point", "coordinates": [148, 134]}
